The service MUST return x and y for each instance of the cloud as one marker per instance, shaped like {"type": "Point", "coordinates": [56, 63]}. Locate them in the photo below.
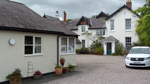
{"type": "Point", "coordinates": [77, 8]}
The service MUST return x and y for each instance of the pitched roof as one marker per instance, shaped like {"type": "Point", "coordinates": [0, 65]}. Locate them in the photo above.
{"type": "Point", "coordinates": [110, 38]}
{"type": "Point", "coordinates": [85, 19]}
{"type": "Point", "coordinates": [124, 6]}
{"type": "Point", "coordinates": [72, 24]}
{"type": "Point", "coordinates": [101, 14]}
{"type": "Point", "coordinates": [18, 17]}
{"type": "Point", "coordinates": [78, 41]}
{"type": "Point", "coordinates": [60, 25]}
{"type": "Point", "coordinates": [98, 23]}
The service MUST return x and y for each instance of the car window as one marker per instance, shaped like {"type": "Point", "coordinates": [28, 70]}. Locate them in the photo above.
{"type": "Point", "coordinates": [139, 51]}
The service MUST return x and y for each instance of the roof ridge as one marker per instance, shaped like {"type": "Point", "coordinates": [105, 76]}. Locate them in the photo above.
{"type": "Point", "coordinates": [14, 2]}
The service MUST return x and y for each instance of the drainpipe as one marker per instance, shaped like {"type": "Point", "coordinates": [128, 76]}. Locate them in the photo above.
{"type": "Point", "coordinates": [58, 49]}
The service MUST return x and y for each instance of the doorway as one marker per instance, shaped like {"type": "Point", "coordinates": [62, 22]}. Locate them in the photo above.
{"type": "Point", "coordinates": [109, 48]}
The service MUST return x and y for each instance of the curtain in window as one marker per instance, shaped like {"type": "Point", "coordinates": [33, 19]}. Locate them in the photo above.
{"type": "Point", "coordinates": [37, 44]}
{"type": "Point", "coordinates": [71, 45]}
{"type": "Point", "coordinates": [64, 45]}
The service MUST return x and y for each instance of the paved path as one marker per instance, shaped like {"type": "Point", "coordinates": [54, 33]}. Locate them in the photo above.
{"type": "Point", "coordinates": [96, 69]}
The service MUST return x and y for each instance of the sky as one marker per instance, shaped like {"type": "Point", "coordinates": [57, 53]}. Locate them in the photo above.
{"type": "Point", "coordinates": [77, 8]}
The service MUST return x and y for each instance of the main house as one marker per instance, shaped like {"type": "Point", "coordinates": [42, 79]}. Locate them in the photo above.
{"type": "Point", "coordinates": [27, 38]}
{"type": "Point", "coordinates": [119, 26]}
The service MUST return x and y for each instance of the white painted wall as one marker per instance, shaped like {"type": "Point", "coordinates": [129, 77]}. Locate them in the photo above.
{"type": "Point", "coordinates": [89, 41]}
{"type": "Point", "coordinates": [105, 46]}
{"type": "Point", "coordinates": [12, 56]}
{"type": "Point", "coordinates": [119, 26]}
{"type": "Point", "coordinates": [78, 46]}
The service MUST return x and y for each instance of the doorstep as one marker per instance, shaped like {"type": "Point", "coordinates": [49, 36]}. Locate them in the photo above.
{"type": "Point", "coordinates": [49, 77]}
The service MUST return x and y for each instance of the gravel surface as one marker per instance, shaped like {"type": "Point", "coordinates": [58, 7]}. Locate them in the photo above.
{"type": "Point", "coordinates": [105, 70]}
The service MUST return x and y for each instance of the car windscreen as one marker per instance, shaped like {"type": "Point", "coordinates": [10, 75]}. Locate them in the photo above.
{"type": "Point", "coordinates": [139, 51]}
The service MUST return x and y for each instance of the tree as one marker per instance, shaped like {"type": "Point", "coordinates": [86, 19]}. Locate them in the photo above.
{"type": "Point", "coordinates": [147, 4]}
{"type": "Point", "coordinates": [87, 35]}
{"type": "Point", "coordinates": [94, 16]}
{"type": "Point", "coordinates": [68, 20]}
{"type": "Point", "coordinates": [143, 27]}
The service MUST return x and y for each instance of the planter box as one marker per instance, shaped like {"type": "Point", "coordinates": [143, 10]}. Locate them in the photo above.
{"type": "Point", "coordinates": [37, 77]}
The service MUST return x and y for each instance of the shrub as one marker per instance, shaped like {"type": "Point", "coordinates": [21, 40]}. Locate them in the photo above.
{"type": "Point", "coordinates": [113, 54]}
{"type": "Point", "coordinates": [84, 50]}
{"type": "Point", "coordinates": [119, 49]}
{"type": "Point", "coordinates": [99, 51]}
{"type": "Point", "coordinates": [77, 51]}
{"type": "Point", "coordinates": [91, 51]}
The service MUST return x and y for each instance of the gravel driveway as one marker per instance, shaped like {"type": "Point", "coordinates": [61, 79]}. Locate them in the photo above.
{"type": "Point", "coordinates": [105, 70]}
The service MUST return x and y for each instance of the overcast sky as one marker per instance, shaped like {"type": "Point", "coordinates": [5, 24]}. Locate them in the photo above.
{"type": "Point", "coordinates": [77, 8]}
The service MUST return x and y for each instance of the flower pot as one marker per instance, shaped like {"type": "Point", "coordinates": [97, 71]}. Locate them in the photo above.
{"type": "Point", "coordinates": [15, 80]}
{"type": "Point", "coordinates": [58, 71]}
{"type": "Point", "coordinates": [71, 69]}
{"type": "Point", "coordinates": [62, 62]}
{"type": "Point", "coordinates": [37, 76]}
{"type": "Point", "coordinates": [65, 70]}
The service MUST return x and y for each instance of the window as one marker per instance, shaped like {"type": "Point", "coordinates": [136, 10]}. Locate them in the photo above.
{"type": "Point", "coordinates": [32, 45]}
{"type": "Point", "coordinates": [67, 45]}
{"type": "Point", "coordinates": [83, 43]}
{"type": "Point", "coordinates": [128, 24]}
{"type": "Point", "coordinates": [83, 28]}
{"type": "Point", "coordinates": [112, 24]}
{"type": "Point", "coordinates": [128, 43]}
{"type": "Point", "coordinates": [100, 32]}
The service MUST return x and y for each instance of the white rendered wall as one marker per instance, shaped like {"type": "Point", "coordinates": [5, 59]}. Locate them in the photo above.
{"type": "Point", "coordinates": [119, 26]}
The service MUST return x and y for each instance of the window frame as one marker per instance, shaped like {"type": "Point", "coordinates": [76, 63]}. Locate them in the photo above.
{"type": "Point", "coordinates": [128, 42]}
{"type": "Point", "coordinates": [74, 52]}
{"type": "Point", "coordinates": [34, 54]}
{"type": "Point", "coordinates": [127, 25]}
{"type": "Point", "coordinates": [83, 28]}
{"type": "Point", "coordinates": [98, 32]}
{"type": "Point", "coordinates": [112, 25]}
{"type": "Point", "coordinates": [82, 43]}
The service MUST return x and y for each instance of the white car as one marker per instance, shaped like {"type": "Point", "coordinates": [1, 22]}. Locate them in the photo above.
{"type": "Point", "coordinates": [138, 57]}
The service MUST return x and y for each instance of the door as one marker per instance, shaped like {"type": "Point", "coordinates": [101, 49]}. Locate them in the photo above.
{"type": "Point", "coordinates": [108, 48]}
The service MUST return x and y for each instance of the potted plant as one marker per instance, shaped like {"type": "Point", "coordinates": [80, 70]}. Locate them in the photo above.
{"type": "Point", "coordinates": [65, 69]}
{"type": "Point", "coordinates": [58, 70]}
{"type": "Point", "coordinates": [71, 67]}
{"type": "Point", "coordinates": [62, 61]}
{"type": "Point", "coordinates": [37, 74]}
{"type": "Point", "coordinates": [15, 77]}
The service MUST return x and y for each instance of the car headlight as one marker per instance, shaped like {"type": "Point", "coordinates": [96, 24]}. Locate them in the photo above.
{"type": "Point", "coordinates": [147, 58]}
{"type": "Point", "coordinates": [128, 58]}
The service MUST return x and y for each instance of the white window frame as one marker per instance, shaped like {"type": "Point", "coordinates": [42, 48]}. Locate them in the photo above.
{"type": "Point", "coordinates": [33, 46]}
{"type": "Point", "coordinates": [82, 43]}
{"type": "Point", "coordinates": [128, 42]}
{"type": "Point", "coordinates": [74, 52]}
{"type": "Point", "coordinates": [83, 28]}
{"type": "Point", "coordinates": [112, 25]}
{"type": "Point", "coordinates": [98, 32]}
{"type": "Point", "coordinates": [126, 24]}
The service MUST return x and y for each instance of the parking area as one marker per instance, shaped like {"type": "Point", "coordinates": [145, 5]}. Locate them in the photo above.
{"type": "Point", "coordinates": [98, 69]}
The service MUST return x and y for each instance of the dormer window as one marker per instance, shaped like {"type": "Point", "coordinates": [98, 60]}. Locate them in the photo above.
{"type": "Point", "coordinates": [83, 28]}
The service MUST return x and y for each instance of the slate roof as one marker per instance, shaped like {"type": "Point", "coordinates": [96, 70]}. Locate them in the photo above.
{"type": "Point", "coordinates": [78, 41]}
{"type": "Point", "coordinates": [15, 16]}
{"type": "Point", "coordinates": [124, 6]}
{"type": "Point", "coordinates": [98, 23]}
{"type": "Point", "coordinates": [72, 24]}
{"type": "Point", "coordinates": [110, 38]}
{"type": "Point", "coordinates": [60, 24]}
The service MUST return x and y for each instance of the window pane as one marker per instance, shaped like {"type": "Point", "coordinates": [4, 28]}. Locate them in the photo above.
{"type": "Point", "coordinates": [37, 49]}
{"type": "Point", "coordinates": [28, 39]}
{"type": "Point", "coordinates": [37, 40]}
{"type": "Point", "coordinates": [128, 23]}
{"type": "Point", "coordinates": [28, 49]}
{"type": "Point", "coordinates": [97, 32]}
{"type": "Point", "coordinates": [103, 32]}
{"type": "Point", "coordinates": [71, 45]}
{"type": "Point", "coordinates": [64, 45]}
{"type": "Point", "coordinates": [128, 43]}
{"type": "Point", "coordinates": [112, 24]}
{"type": "Point", "coordinates": [83, 28]}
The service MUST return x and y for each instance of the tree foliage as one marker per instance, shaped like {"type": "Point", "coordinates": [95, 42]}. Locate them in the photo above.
{"type": "Point", "coordinates": [68, 20]}
{"type": "Point", "coordinates": [143, 28]}
{"type": "Point", "coordinates": [97, 41]}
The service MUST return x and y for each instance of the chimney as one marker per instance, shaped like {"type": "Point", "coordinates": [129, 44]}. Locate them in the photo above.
{"type": "Point", "coordinates": [64, 16]}
{"type": "Point", "coordinates": [129, 4]}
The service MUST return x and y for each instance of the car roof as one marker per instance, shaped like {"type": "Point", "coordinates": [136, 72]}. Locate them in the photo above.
{"type": "Point", "coordinates": [141, 47]}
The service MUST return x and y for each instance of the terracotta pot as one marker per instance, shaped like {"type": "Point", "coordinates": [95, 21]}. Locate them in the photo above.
{"type": "Point", "coordinates": [62, 62]}
{"type": "Point", "coordinates": [37, 76]}
{"type": "Point", "coordinates": [15, 80]}
{"type": "Point", "coordinates": [58, 71]}
{"type": "Point", "coordinates": [65, 70]}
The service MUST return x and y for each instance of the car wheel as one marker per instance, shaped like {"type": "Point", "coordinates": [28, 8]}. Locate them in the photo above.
{"type": "Point", "coordinates": [126, 66]}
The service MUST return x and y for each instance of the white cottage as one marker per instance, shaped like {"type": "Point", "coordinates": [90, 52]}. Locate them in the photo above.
{"type": "Point", "coordinates": [26, 37]}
